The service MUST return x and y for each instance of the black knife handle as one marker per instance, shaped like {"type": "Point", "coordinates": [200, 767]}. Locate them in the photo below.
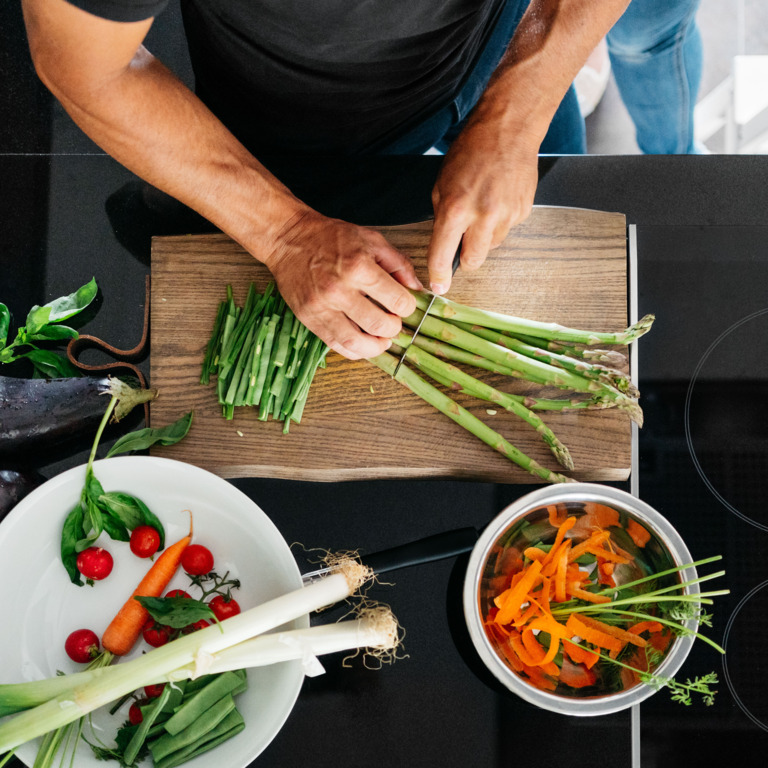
{"type": "Point", "coordinates": [436, 547]}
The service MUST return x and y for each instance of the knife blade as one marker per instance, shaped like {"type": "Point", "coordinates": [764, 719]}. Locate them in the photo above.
{"type": "Point", "coordinates": [456, 262]}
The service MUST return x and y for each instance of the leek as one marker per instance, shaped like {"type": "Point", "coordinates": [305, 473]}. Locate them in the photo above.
{"type": "Point", "coordinates": [95, 688]}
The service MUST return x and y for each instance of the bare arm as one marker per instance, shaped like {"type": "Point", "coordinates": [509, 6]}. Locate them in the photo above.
{"type": "Point", "coordinates": [489, 176]}
{"type": "Point", "coordinates": [344, 282]}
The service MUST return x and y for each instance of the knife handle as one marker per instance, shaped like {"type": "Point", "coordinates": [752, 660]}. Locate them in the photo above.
{"type": "Point", "coordinates": [439, 546]}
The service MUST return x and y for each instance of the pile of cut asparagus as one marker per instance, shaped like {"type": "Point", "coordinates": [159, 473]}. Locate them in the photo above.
{"type": "Point", "coordinates": [262, 356]}
{"type": "Point", "coordinates": [546, 354]}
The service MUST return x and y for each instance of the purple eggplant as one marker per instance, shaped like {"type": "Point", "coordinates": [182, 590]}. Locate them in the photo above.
{"type": "Point", "coordinates": [49, 418]}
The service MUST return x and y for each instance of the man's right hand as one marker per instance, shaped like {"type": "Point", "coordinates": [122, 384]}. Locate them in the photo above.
{"type": "Point", "coordinates": [344, 282]}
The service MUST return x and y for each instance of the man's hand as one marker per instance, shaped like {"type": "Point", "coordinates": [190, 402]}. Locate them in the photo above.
{"type": "Point", "coordinates": [489, 176]}
{"type": "Point", "coordinates": [344, 282]}
{"type": "Point", "coordinates": [486, 185]}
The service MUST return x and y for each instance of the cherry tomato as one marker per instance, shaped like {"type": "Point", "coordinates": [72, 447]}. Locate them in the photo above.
{"type": "Point", "coordinates": [178, 593]}
{"type": "Point", "coordinates": [82, 646]}
{"type": "Point", "coordinates": [134, 713]}
{"type": "Point", "coordinates": [155, 634]}
{"type": "Point", "coordinates": [153, 691]}
{"type": "Point", "coordinates": [197, 560]}
{"type": "Point", "coordinates": [145, 541]}
{"type": "Point", "coordinates": [94, 563]}
{"type": "Point", "coordinates": [201, 624]}
{"type": "Point", "coordinates": [223, 608]}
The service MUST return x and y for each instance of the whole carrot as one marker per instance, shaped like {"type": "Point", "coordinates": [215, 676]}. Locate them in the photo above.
{"type": "Point", "coordinates": [124, 629]}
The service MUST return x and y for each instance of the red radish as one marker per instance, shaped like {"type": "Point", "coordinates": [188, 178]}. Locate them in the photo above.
{"type": "Point", "coordinates": [95, 563]}
{"type": "Point", "coordinates": [145, 541]}
{"type": "Point", "coordinates": [82, 646]}
{"type": "Point", "coordinates": [153, 691]}
{"type": "Point", "coordinates": [223, 608]}
{"type": "Point", "coordinates": [197, 560]}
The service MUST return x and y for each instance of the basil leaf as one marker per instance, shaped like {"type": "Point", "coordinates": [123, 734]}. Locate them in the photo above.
{"type": "Point", "coordinates": [93, 488]}
{"type": "Point", "coordinates": [67, 306]}
{"type": "Point", "coordinates": [176, 612]}
{"type": "Point", "coordinates": [5, 323]}
{"type": "Point", "coordinates": [50, 364]}
{"type": "Point", "coordinates": [142, 439]}
{"type": "Point", "coordinates": [37, 317]}
{"type": "Point", "coordinates": [115, 529]}
{"type": "Point", "coordinates": [123, 508]}
{"type": "Point", "coordinates": [50, 332]}
{"type": "Point", "coordinates": [71, 533]}
{"type": "Point", "coordinates": [93, 525]}
{"type": "Point", "coordinates": [151, 519]}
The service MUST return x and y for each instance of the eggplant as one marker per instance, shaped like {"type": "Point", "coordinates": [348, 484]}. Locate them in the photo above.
{"type": "Point", "coordinates": [46, 418]}
{"type": "Point", "coordinates": [14, 486]}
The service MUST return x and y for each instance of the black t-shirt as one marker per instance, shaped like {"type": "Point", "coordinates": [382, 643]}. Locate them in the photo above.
{"type": "Point", "coordinates": [324, 75]}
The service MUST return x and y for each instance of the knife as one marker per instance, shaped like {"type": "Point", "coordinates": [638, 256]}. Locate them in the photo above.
{"type": "Point", "coordinates": [456, 262]}
{"type": "Point", "coordinates": [439, 546]}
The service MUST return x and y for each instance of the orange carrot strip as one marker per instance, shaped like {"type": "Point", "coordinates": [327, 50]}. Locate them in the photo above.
{"type": "Point", "coordinates": [580, 655]}
{"type": "Point", "coordinates": [561, 531]}
{"type": "Point", "coordinates": [590, 597]}
{"type": "Point", "coordinates": [604, 554]}
{"type": "Point", "coordinates": [528, 614]}
{"type": "Point", "coordinates": [124, 629]}
{"type": "Point", "coordinates": [639, 533]}
{"type": "Point", "coordinates": [556, 514]}
{"type": "Point", "coordinates": [576, 675]}
{"type": "Point", "coordinates": [597, 538]}
{"type": "Point", "coordinates": [540, 678]}
{"type": "Point", "coordinates": [560, 571]}
{"type": "Point", "coordinates": [546, 584]}
{"type": "Point", "coordinates": [516, 643]}
{"type": "Point", "coordinates": [645, 626]}
{"type": "Point", "coordinates": [613, 631]}
{"type": "Point", "coordinates": [511, 607]}
{"type": "Point", "coordinates": [534, 553]}
{"type": "Point", "coordinates": [592, 635]}
{"type": "Point", "coordinates": [600, 515]}
{"type": "Point", "coordinates": [535, 649]}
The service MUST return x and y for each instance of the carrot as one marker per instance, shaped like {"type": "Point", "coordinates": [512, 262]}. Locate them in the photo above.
{"type": "Point", "coordinates": [556, 514]}
{"type": "Point", "coordinates": [593, 635]}
{"type": "Point", "coordinates": [640, 535]}
{"type": "Point", "coordinates": [559, 536]}
{"type": "Point", "coordinates": [590, 597]}
{"type": "Point", "coordinates": [613, 631]}
{"type": "Point", "coordinates": [596, 539]}
{"type": "Point", "coordinates": [580, 655]}
{"type": "Point", "coordinates": [600, 515]}
{"type": "Point", "coordinates": [124, 629]}
{"type": "Point", "coordinates": [643, 626]}
{"type": "Point", "coordinates": [576, 675]}
{"type": "Point", "coordinates": [514, 597]}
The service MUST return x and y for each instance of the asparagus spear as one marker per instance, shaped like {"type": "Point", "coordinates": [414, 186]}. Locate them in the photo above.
{"type": "Point", "coordinates": [451, 310]}
{"type": "Point", "coordinates": [454, 378]}
{"type": "Point", "coordinates": [462, 416]}
{"type": "Point", "coordinates": [533, 370]}
{"type": "Point", "coordinates": [611, 357]}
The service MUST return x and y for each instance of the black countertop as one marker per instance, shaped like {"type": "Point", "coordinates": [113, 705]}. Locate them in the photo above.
{"type": "Point", "coordinates": [68, 213]}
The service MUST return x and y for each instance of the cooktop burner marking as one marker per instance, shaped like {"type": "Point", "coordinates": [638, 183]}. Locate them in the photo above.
{"type": "Point", "coordinates": [688, 399]}
{"type": "Point", "coordinates": [740, 657]}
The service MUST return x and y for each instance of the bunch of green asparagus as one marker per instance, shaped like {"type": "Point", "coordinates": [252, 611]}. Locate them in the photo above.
{"type": "Point", "coordinates": [262, 356]}
{"type": "Point", "coordinates": [546, 354]}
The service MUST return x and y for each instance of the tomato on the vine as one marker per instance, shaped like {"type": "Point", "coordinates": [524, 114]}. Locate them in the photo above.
{"type": "Point", "coordinates": [178, 593]}
{"type": "Point", "coordinates": [200, 624]}
{"type": "Point", "coordinates": [94, 563]}
{"type": "Point", "coordinates": [82, 646]}
{"type": "Point", "coordinates": [223, 608]}
{"type": "Point", "coordinates": [145, 541]}
{"type": "Point", "coordinates": [197, 560]}
{"type": "Point", "coordinates": [155, 634]}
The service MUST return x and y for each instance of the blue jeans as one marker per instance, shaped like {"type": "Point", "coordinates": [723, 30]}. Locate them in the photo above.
{"type": "Point", "coordinates": [656, 59]}
{"type": "Point", "coordinates": [566, 135]}
{"type": "Point", "coordinates": [656, 56]}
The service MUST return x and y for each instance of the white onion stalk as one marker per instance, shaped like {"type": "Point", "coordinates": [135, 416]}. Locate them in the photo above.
{"type": "Point", "coordinates": [107, 684]}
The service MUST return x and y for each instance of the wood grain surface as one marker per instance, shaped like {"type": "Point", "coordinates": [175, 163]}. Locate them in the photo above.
{"type": "Point", "coordinates": [561, 265]}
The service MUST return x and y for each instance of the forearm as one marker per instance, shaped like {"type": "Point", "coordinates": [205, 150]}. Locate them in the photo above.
{"type": "Point", "coordinates": [549, 47]}
{"type": "Point", "coordinates": [149, 121]}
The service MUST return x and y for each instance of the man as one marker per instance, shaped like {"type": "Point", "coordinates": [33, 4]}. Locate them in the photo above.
{"type": "Point", "coordinates": [386, 72]}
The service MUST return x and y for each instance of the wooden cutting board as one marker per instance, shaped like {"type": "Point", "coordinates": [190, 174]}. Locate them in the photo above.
{"type": "Point", "coordinates": [561, 265]}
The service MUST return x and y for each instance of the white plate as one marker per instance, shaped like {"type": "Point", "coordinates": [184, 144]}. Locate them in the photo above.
{"type": "Point", "coordinates": [41, 606]}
